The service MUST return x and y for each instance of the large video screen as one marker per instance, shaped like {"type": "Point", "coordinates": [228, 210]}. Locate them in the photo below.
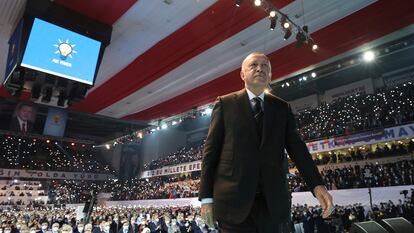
{"type": "Point", "coordinates": [61, 52]}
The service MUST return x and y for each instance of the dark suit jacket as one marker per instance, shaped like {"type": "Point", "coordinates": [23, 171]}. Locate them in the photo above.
{"type": "Point", "coordinates": [136, 227]}
{"type": "Point", "coordinates": [235, 160]}
{"type": "Point", "coordinates": [115, 227]}
{"type": "Point", "coordinates": [15, 125]}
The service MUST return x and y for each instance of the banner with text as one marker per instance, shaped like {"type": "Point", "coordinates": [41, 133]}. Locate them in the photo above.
{"type": "Point", "coordinates": [372, 137]}
{"type": "Point", "coordinates": [398, 78]}
{"type": "Point", "coordinates": [305, 103]}
{"type": "Point", "coordinates": [36, 174]}
{"type": "Point", "coordinates": [169, 170]}
{"type": "Point", "coordinates": [361, 87]}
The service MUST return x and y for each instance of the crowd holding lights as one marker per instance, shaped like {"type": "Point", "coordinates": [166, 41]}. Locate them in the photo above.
{"type": "Point", "coordinates": [180, 156]}
{"type": "Point", "coordinates": [388, 106]}
{"type": "Point", "coordinates": [26, 153]}
{"type": "Point", "coordinates": [370, 175]}
{"type": "Point", "coordinates": [183, 186]}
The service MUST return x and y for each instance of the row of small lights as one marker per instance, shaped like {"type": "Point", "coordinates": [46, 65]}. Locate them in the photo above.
{"type": "Point", "coordinates": [152, 129]}
{"type": "Point", "coordinates": [367, 56]}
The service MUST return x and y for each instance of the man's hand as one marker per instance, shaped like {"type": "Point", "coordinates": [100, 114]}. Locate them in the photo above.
{"type": "Point", "coordinates": [325, 199]}
{"type": "Point", "coordinates": [207, 214]}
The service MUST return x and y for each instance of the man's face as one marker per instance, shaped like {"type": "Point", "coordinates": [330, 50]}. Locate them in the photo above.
{"type": "Point", "coordinates": [88, 227]}
{"type": "Point", "coordinates": [256, 72]}
{"type": "Point", "coordinates": [25, 113]}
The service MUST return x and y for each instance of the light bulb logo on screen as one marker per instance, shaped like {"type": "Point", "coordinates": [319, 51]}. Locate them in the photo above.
{"type": "Point", "coordinates": [65, 49]}
{"type": "Point", "coordinates": [69, 54]}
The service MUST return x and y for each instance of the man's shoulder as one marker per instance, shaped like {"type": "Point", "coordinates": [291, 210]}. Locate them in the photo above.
{"type": "Point", "coordinates": [232, 95]}
{"type": "Point", "coordinates": [276, 100]}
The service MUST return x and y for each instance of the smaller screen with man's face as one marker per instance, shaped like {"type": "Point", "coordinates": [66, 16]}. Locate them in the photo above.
{"type": "Point", "coordinates": [23, 118]}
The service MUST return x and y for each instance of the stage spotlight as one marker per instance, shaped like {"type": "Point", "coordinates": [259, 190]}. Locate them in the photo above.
{"type": "Point", "coordinates": [368, 56]}
{"type": "Point", "coordinates": [272, 13]}
{"type": "Point", "coordinates": [107, 146]}
{"type": "Point", "coordinates": [283, 21]}
{"type": "Point", "coordinates": [315, 47]}
{"type": "Point", "coordinates": [288, 33]}
{"type": "Point", "coordinates": [164, 126]}
{"type": "Point", "coordinates": [300, 38]}
{"type": "Point", "coordinates": [238, 2]}
{"type": "Point", "coordinates": [304, 78]}
{"type": "Point", "coordinates": [208, 111]}
{"type": "Point", "coordinates": [273, 21]}
{"type": "Point", "coordinates": [287, 84]}
{"type": "Point", "coordinates": [313, 74]}
{"type": "Point", "coordinates": [257, 2]}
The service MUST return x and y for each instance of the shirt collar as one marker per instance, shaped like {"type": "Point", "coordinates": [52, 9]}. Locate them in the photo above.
{"type": "Point", "coordinates": [20, 121]}
{"type": "Point", "coordinates": [252, 95]}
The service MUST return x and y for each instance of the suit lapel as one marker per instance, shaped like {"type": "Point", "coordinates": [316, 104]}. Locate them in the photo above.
{"type": "Point", "coordinates": [247, 113]}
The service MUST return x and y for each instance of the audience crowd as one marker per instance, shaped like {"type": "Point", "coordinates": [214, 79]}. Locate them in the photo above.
{"type": "Point", "coordinates": [362, 153]}
{"type": "Point", "coordinates": [180, 156]}
{"type": "Point", "coordinates": [184, 186]}
{"type": "Point", "coordinates": [370, 175]}
{"type": "Point", "coordinates": [387, 107]}
{"type": "Point", "coordinates": [26, 153]}
{"type": "Point", "coordinates": [187, 219]}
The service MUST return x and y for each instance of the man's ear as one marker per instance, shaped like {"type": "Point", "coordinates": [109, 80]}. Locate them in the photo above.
{"type": "Point", "coordinates": [242, 75]}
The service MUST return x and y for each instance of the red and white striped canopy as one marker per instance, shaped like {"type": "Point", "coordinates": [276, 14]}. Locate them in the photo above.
{"type": "Point", "coordinates": [167, 57]}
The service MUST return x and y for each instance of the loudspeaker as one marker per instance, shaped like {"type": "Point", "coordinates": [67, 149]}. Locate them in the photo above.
{"type": "Point", "coordinates": [397, 225]}
{"type": "Point", "coordinates": [367, 227]}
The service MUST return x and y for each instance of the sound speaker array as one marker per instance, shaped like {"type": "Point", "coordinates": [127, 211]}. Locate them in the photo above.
{"type": "Point", "coordinates": [390, 225]}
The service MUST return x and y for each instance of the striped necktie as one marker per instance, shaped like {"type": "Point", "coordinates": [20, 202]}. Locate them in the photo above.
{"type": "Point", "coordinates": [258, 114]}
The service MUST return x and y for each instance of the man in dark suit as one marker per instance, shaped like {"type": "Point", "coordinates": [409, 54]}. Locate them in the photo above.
{"type": "Point", "coordinates": [243, 176]}
{"type": "Point", "coordinates": [22, 122]}
{"type": "Point", "coordinates": [133, 225]}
